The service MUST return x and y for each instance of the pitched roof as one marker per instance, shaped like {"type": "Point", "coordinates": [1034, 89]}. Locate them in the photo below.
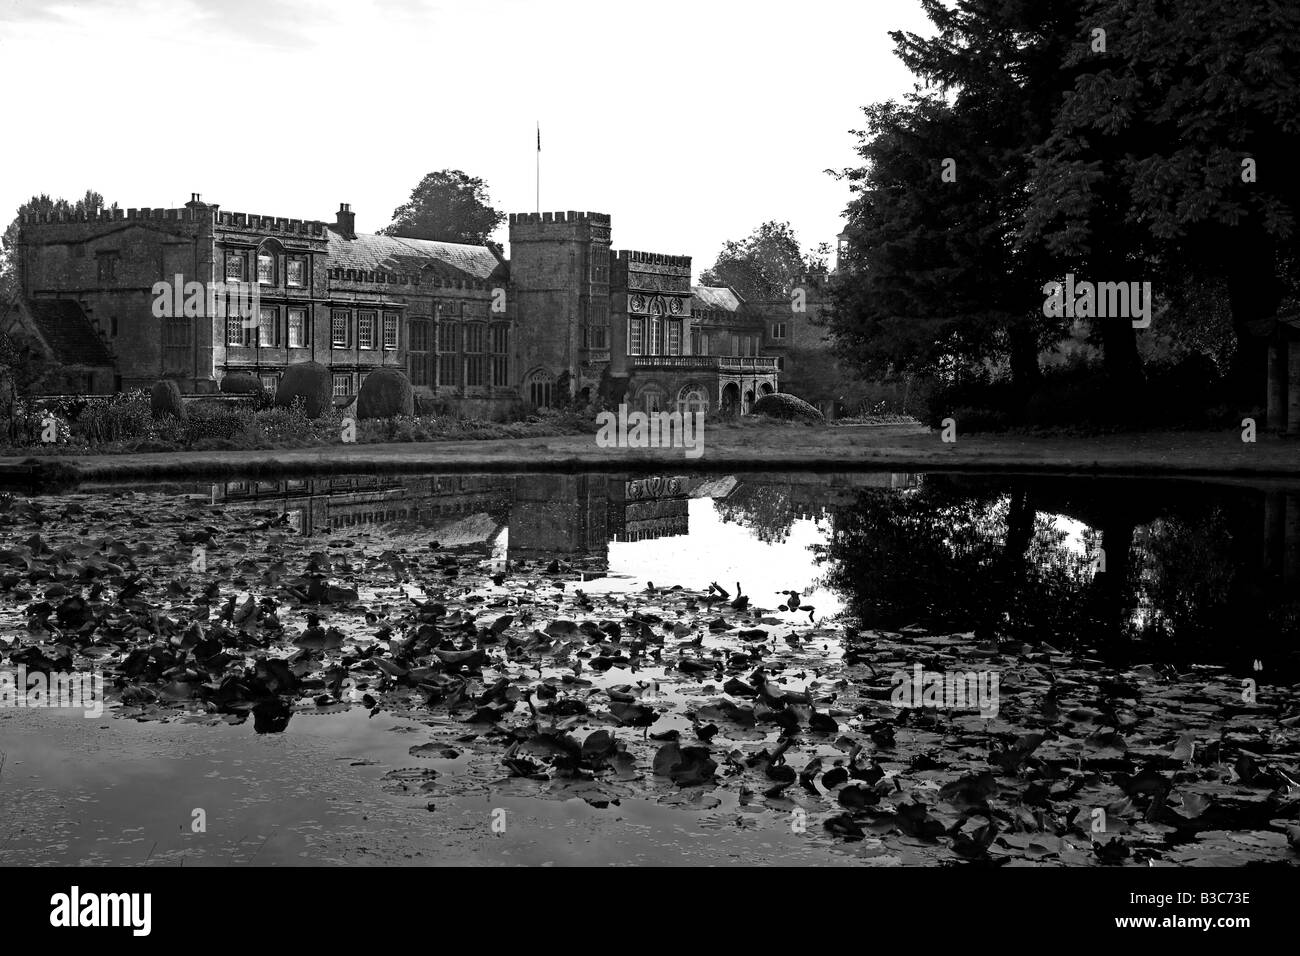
{"type": "Point", "coordinates": [68, 332]}
{"type": "Point", "coordinates": [445, 260]}
{"type": "Point", "coordinates": [719, 298]}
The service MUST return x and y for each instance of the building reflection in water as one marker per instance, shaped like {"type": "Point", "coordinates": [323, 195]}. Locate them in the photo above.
{"type": "Point", "coordinates": [570, 517]}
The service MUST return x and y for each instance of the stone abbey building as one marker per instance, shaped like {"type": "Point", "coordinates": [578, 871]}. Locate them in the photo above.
{"type": "Point", "coordinates": [476, 333]}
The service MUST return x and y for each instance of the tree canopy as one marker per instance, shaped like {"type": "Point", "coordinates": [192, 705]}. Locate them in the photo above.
{"type": "Point", "coordinates": [764, 265]}
{"type": "Point", "coordinates": [449, 206]}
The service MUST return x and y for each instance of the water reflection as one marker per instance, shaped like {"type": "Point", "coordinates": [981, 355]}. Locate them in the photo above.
{"type": "Point", "coordinates": [1194, 571]}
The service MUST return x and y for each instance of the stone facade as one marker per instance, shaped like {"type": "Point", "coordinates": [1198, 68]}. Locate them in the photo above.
{"type": "Point", "coordinates": [565, 316]}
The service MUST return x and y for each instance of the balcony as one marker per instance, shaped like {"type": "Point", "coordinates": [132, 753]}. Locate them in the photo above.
{"type": "Point", "coordinates": [763, 364]}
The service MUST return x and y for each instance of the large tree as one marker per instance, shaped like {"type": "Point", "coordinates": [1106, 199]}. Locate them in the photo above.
{"type": "Point", "coordinates": [91, 203]}
{"type": "Point", "coordinates": [1185, 127]}
{"type": "Point", "coordinates": [764, 265]}
{"type": "Point", "coordinates": [941, 279]}
{"type": "Point", "coordinates": [449, 206]}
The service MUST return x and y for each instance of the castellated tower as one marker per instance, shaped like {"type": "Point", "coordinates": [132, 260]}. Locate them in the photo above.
{"type": "Point", "coordinates": [559, 283]}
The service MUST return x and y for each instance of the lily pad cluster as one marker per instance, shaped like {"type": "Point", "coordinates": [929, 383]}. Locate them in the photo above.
{"type": "Point", "coordinates": [528, 678]}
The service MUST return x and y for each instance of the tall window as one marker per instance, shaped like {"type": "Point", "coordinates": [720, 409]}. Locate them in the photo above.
{"type": "Point", "coordinates": [448, 353]}
{"type": "Point", "coordinates": [475, 361]}
{"type": "Point", "coordinates": [342, 384]}
{"type": "Point", "coordinates": [778, 330]}
{"type": "Point", "coordinates": [599, 337]}
{"type": "Point", "coordinates": [266, 268]}
{"type": "Point", "coordinates": [235, 266]}
{"type": "Point", "coordinates": [675, 338]}
{"type": "Point", "coordinates": [500, 356]}
{"type": "Point", "coordinates": [390, 330]}
{"type": "Point", "coordinates": [297, 328]}
{"type": "Point", "coordinates": [366, 330]}
{"type": "Point", "coordinates": [417, 357]}
{"type": "Point", "coordinates": [236, 334]}
{"type": "Point", "coordinates": [340, 319]}
{"type": "Point", "coordinates": [539, 388]}
{"type": "Point", "coordinates": [268, 327]}
{"type": "Point", "coordinates": [295, 272]}
{"type": "Point", "coordinates": [654, 343]}
{"type": "Point", "coordinates": [634, 343]}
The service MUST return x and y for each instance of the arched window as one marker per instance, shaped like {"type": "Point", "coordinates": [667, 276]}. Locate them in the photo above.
{"type": "Point", "coordinates": [539, 388]}
{"type": "Point", "coordinates": [693, 398]}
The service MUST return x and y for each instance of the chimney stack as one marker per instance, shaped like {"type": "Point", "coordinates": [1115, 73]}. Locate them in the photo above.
{"type": "Point", "coordinates": [345, 221]}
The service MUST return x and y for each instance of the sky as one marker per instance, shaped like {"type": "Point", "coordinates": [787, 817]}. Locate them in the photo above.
{"type": "Point", "coordinates": [690, 123]}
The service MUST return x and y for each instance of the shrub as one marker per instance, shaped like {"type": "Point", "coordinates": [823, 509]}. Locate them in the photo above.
{"type": "Point", "coordinates": [240, 383]}
{"type": "Point", "coordinates": [165, 399]}
{"type": "Point", "coordinates": [220, 425]}
{"type": "Point", "coordinates": [309, 381]}
{"type": "Point", "coordinates": [124, 416]}
{"type": "Point", "coordinates": [386, 392]}
{"type": "Point", "coordinates": [787, 408]}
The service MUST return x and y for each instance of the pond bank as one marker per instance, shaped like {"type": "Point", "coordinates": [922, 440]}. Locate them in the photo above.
{"type": "Point", "coordinates": [732, 447]}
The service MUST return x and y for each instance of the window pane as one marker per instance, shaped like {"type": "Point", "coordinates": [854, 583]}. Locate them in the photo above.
{"type": "Point", "coordinates": [297, 329]}
{"type": "Point", "coordinates": [342, 384]}
{"type": "Point", "coordinates": [366, 330]}
{"type": "Point", "coordinates": [390, 330]}
{"type": "Point", "coordinates": [235, 266]}
{"type": "Point", "coordinates": [267, 328]}
{"type": "Point", "coordinates": [296, 272]}
{"type": "Point", "coordinates": [634, 337]}
{"type": "Point", "coordinates": [339, 321]}
{"type": "Point", "coordinates": [265, 268]}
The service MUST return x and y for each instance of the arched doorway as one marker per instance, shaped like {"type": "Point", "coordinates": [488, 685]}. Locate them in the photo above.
{"type": "Point", "coordinates": [749, 402]}
{"type": "Point", "coordinates": [650, 399]}
{"type": "Point", "coordinates": [765, 388]}
{"type": "Point", "coordinates": [731, 399]}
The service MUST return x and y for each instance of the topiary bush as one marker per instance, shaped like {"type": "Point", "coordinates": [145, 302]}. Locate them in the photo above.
{"type": "Point", "coordinates": [385, 393]}
{"type": "Point", "coordinates": [788, 408]}
{"type": "Point", "coordinates": [165, 399]}
{"type": "Point", "coordinates": [240, 383]}
{"type": "Point", "coordinates": [309, 381]}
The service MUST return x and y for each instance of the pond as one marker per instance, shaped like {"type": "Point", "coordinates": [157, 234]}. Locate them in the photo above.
{"type": "Point", "coordinates": [857, 668]}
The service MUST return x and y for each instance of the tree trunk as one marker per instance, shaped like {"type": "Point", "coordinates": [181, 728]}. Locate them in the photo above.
{"type": "Point", "coordinates": [1253, 293]}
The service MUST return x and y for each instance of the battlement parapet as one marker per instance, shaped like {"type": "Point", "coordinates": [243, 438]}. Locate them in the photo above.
{"type": "Point", "coordinates": [625, 257]}
{"type": "Point", "coordinates": [379, 277]}
{"type": "Point", "coordinates": [190, 214]}
{"type": "Point", "coordinates": [570, 217]}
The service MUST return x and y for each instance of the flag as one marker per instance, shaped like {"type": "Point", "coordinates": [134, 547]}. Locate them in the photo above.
{"type": "Point", "coordinates": [539, 137]}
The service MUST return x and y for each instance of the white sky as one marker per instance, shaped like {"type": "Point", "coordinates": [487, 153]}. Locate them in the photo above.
{"type": "Point", "coordinates": [689, 122]}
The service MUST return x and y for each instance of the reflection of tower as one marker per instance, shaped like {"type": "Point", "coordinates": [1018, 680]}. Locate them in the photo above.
{"type": "Point", "coordinates": [558, 516]}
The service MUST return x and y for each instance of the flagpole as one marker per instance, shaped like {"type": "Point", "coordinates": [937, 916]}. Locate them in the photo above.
{"type": "Point", "coordinates": [539, 167]}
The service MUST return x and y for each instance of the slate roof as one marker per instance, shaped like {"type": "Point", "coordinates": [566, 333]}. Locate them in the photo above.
{"type": "Point", "coordinates": [445, 260]}
{"type": "Point", "coordinates": [68, 332]}
{"type": "Point", "coordinates": [719, 298]}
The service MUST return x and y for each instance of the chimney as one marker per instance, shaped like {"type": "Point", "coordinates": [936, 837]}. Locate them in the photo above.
{"type": "Point", "coordinates": [345, 221]}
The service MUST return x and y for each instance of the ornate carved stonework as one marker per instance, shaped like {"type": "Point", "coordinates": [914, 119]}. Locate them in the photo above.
{"type": "Point", "coordinates": [656, 487]}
